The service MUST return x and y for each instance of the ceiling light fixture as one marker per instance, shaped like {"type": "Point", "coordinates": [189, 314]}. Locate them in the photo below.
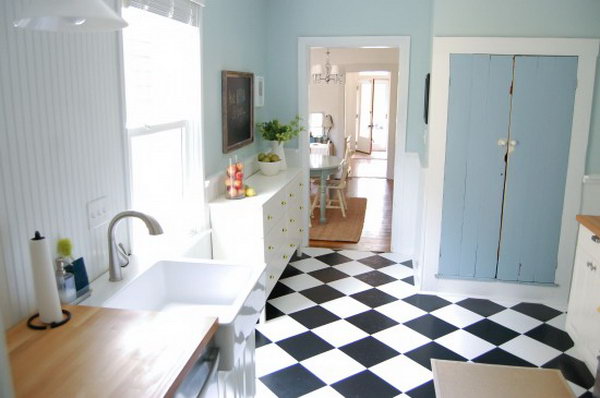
{"type": "Point", "coordinates": [69, 16]}
{"type": "Point", "coordinates": [327, 73]}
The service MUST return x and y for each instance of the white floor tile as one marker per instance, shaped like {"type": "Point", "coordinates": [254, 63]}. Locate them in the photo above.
{"type": "Point", "coordinates": [345, 306]}
{"type": "Point", "coordinates": [453, 298]}
{"type": "Point", "coordinates": [401, 338]}
{"type": "Point", "coordinates": [577, 390]}
{"type": "Point", "coordinates": [281, 328]}
{"type": "Point", "coordinates": [402, 373]}
{"type": "Point", "coordinates": [465, 344]}
{"type": "Point", "coordinates": [332, 366]}
{"type": "Point", "coordinates": [350, 285]}
{"type": "Point", "coordinates": [397, 257]}
{"type": "Point", "coordinates": [291, 303]}
{"type": "Point", "coordinates": [263, 391]}
{"type": "Point", "coordinates": [353, 268]}
{"type": "Point", "coordinates": [400, 311]}
{"type": "Point", "coordinates": [558, 322]}
{"type": "Point", "coordinates": [271, 358]}
{"type": "Point", "coordinates": [309, 265]}
{"type": "Point", "coordinates": [301, 282]}
{"type": "Point", "coordinates": [340, 333]}
{"type": "Point", "coordinates": [316, 251]}
{"type": "Point", "coordinates": [530, 350]}
{"type": "Point", "coordinates": [398, 289]}
{"type": "Point", "coordinates": [324, 392]}
{"type": "Point", "coordinates": [397, 271]}
{"type": "Point", "coordinates": [457, 315]}
{"type": "Point", "coordinates": [355, 254]}
{"type": "Point", "coordinates": [515, 320]}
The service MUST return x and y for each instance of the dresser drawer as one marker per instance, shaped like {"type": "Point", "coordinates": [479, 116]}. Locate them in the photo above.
{"type": "Point", "coordinates": [275, 241]}
{"type": "Point", "coordinates": [273, 210]}
{"type": "Point", "coordinates": [589, 242]}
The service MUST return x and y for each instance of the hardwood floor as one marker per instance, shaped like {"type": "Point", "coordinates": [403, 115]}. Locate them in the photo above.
{"type": "Point", "coordinates": [369, 166]}
{"type": "Point", "coordinates": [378, 217]}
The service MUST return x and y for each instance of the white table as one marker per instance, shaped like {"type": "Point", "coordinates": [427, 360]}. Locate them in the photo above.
{"type": "Point", "coordinates": [323, 166]}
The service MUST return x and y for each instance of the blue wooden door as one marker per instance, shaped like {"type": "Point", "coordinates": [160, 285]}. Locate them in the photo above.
{"type": "Point", "coordinates": [478, 116]}
{"type": "Point", "coordinates": [541, 118]}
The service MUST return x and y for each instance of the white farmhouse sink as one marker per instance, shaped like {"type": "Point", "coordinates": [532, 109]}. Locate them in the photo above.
{"type": "Point", "coordinates": [233, 293]}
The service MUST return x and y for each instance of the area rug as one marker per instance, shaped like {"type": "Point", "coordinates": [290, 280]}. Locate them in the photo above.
{"type": "Point", "coordinates": [338, 228]}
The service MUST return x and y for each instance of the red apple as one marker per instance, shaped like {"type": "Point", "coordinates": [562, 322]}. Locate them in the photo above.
{"type": "Point", "coordinates": [237, 184]}
{"type": "Point", "coordinates": [240, 166]}
{"type": "Point", "coordinates": [239, 175]}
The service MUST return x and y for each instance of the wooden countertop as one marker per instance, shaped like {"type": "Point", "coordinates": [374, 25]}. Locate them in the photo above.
{"type": "Point", "coordinates": [590, 222]}
{"type": "Point", "coordinates": [108, 352]}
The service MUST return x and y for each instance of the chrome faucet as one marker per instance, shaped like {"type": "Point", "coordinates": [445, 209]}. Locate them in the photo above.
{"type": "Point", "coordinates": [114, 255]}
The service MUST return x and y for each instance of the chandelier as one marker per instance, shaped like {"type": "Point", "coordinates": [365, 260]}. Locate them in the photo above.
{"type": "Point", "coordinates": [326, 73]}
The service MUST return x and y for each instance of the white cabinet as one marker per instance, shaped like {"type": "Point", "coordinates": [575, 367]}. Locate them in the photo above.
{"type": "Point", "coordinates": [266, 228]}
{"type": "Point", "coordinates": [583, 316]}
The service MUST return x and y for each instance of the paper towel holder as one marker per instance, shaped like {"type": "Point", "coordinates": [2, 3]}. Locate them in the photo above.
{"type": "Point", "coordinates": [45, 326]}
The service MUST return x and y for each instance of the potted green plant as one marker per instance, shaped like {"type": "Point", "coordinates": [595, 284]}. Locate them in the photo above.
{"type": "Point", "coordinates": [278, 133]}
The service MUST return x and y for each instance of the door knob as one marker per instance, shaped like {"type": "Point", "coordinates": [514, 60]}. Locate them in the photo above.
{"type": "Point", "coordinates": [512, 145]}
{"type": "Point", "coordinates": [501, 142]}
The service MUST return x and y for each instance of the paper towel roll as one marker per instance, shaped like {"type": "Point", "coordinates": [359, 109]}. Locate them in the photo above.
{"type": "Point", "coordinates": [44, 279]}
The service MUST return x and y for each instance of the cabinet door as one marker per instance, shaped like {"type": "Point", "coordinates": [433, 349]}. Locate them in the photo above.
{"type": "Point", "coordinates": [541, 119]}
{"type": "Point", "coordinates": [478, 116]}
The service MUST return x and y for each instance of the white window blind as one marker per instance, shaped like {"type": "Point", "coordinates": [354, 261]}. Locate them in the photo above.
{"type": "Point", "coordinates": [185, 11]}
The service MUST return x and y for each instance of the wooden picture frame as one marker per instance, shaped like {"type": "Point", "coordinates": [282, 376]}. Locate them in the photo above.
{"type": "Point", "coordinates": [237, 93]}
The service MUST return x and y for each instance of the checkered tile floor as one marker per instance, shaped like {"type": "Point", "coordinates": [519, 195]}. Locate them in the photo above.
{"type": "Point", "coordinates": [351, 324]}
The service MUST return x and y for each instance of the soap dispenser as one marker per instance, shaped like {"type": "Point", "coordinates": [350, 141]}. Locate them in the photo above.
{"type": "Point", "coordinates": [65, 282]}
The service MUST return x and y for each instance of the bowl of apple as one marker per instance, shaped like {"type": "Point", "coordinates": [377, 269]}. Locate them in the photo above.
{"type": "Point", "coordinates": [269, 163]}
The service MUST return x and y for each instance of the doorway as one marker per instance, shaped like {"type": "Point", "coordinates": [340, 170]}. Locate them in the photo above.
{"type": "Point", "coordinates": [350, 117]}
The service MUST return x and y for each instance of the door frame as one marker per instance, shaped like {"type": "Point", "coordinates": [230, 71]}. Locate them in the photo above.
{"type": "Point", "coordinates": [403, 44]}
{"type": "Point", "coordinates": [587, 51]}
{"type": "Point", "coordinates": [359, 102]}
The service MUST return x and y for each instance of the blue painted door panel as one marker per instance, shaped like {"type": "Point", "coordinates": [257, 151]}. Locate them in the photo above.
{"type": "Point", "coordinates": [478, 115]}
{"type": "Point", "coordinates": [541, 118]}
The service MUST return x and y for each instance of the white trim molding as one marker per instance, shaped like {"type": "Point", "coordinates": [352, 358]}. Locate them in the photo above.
{"type": "Point", "coordinates": [587, 51]}
{"type": "Point", "coordinates": [403, 44]}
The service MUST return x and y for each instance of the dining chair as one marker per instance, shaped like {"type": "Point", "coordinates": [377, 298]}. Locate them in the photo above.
{"type": "Point", "coordinates": [339, 186]}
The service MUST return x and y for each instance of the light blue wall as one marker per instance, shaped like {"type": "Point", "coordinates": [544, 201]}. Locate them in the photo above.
{"type": "Point", "coordinates": [531, 18]}
{"type": "Point", "coordinates": [235, 38]}
{"type": "Point", "coordinates": [290, 19]}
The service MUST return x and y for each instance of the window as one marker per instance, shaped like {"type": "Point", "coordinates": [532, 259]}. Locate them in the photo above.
{"type": "Point", "coordinates": [315, 124]}
{"type": "Point", "coordinates": [162, 90]}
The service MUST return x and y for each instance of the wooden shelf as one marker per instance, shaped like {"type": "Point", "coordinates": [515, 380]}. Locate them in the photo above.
{"type": "Point", "coordinates": [590, 222]}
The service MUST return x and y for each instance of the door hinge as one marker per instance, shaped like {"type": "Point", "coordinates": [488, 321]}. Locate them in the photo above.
{"type": "Point", "coordinates": [510, 91]}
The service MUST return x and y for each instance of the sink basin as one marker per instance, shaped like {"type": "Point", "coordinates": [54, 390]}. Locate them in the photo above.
{"type": "Point", "coordinates": [235, 294]}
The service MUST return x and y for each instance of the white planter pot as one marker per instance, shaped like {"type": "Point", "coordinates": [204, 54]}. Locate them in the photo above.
{"type": "Point", "coordinates": [277, 148]}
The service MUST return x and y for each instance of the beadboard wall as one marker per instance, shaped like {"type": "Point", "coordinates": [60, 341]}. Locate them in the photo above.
{"type": "Point", "coordinates": [60, 147]}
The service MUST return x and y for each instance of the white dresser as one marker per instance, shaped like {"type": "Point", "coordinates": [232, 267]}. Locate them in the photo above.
{"type": "Point", "coordinates": [267, 227]}
{"type": "Point", "coordinates": [583, 316]}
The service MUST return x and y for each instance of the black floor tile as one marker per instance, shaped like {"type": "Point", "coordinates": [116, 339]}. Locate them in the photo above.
{"type": "Point", "coordinates": [538, 311]}
{"type": "Point", "coordinates": [329, 274]}
{"type": "Point", "coordinates": [371, 321]}
{"type": "Point", "coordinates": [431, 326]}
{"type": "Point", "coordinates": [410, 280]}
{"type": "Point", "coordinates": [260, 339]}
{"type": "Point", "coordinates": [573, 369]}
{"type": "Point", "coordinates": [426, 390]}
{"type": "Point", "coordinates": [482, 307]}
{"type": "Point", "coordinates": [551, 336]}
{"type": "Point", "coordinates": [427, 302]}
{"type": "Point", "coordinates": [424, 354]}
{"type": "Point", "coordinates": [498, 356]}
{"type": "Point", "coordinates": [314, 317]}
{"type": "Point", "coordinates": [376, 261]}
{"type": "Point", "coordinates": [321, 294]}
{"type": "Point", "coordinates": [373, 297]}
{"type": "Point", "coordinates": [295, 257]}
{"type": "Point", "coordinates": [369, 351]}
{"type": "Point", "coordinates": [292, 382]}
{"type": "Point", "coordinates": [375, 278]}
{"type": "Point", "coordinates": [408, 263]}
{"type": "Point", "coordinates": [491, 332]}
{"type": "Point", "coordinates": [365, 385]}
{"type": "Point", "coordinates": [290, 271]}
{"type": "Point", "coordinates": [333, 258]}
{"type": "Point", "coordinates": [271, 312]}
{"type": "Point", "coordinates": [304, 346]}
{"type": "Point", "coordinates": [280, 290]}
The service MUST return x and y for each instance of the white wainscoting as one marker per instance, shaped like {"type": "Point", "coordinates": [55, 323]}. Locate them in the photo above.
{"type": "Point", "coordinates": [60, 147]}
{"type": "Point", "coordinates": [590, 201]}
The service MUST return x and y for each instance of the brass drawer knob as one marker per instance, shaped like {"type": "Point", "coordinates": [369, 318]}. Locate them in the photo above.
{"type": "Point", "coordinates": [301, 230]}
{"type": "Point", "coordinates": [283, 229]}
{"type": "Point", "coordinates": [595, 239]}
{"type": "Point", "coordinates": [270, 248]}
{"type": "Point", "coordinates": [285, 256]}
{"type": "Point", "coordinates": [292, 220]}
{"type": "Point", "coordinates": [301, 207]}
{"type": "Point", "coordinates": [292, 245]}
{"type": "Point", "coordinates": [271, 276]}
{"type": "Point", "coordinates": [283, 203]}
{"type": "Point", "coordinates": [269, 218]}
{"type": "Point", "coordinates": [291, 195]}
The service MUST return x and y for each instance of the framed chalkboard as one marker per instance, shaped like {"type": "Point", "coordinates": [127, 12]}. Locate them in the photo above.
{"type": "Point", "coordinates": [237, 109]}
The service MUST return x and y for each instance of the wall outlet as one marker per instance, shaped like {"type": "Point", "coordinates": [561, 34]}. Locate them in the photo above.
{"type": "Point", "coordinates": [97, 212]}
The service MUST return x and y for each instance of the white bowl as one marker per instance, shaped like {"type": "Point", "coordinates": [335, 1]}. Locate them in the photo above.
{"type": "Point", "coordinates": [269, 168]}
